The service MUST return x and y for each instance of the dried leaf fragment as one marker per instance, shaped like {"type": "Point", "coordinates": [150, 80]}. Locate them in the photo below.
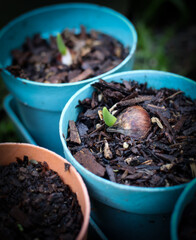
{"type": "Point", "coordinates": [100, 113]}
{"type": "Point", "coordinates": [157, 121]}
{"type": "Point", "coordinates": [107, 152]}
{"type": "Point", "coordinates": [166, 167]}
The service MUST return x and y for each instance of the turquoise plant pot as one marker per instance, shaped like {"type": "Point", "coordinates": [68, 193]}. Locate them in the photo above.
{"type": "Point", "coordinates": [185, 198]}
{"type": "Point", "coordinates": [40, 104]}
{"type": "Point", "coordinates": [123, 211]}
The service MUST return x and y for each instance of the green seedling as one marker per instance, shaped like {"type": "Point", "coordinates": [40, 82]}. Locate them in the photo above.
{"type": "Point", "coordinates": [61, 45]}
{"type": "Point", "coordinates": [108, 118]}
{"type": "Point", "coordinates": [20, 227]}
{"type": "Point", "coordinates": [66, 56]}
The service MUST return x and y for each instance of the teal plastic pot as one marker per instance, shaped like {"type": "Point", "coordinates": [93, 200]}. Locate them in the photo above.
{"type": "Point", "coordinates": [185, 198]}
{"type": "Point", "coordinates": [128, 211]}
{"type": "Point", "coordinates": [40, 104]}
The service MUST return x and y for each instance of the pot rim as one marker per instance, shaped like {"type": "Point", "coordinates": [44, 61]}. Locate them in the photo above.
{"type": "Point", "coordinates": [86, 214]}
{"type": "Point", "coordinates": [100, 179]}
{"type": "Point", "coordinates": [179, 207]}
{"type": "Point", "coordinates": [65, 6]}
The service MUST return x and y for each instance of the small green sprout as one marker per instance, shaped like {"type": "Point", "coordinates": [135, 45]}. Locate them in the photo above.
{"type": "Point", "coordinates": [108, 118]}
{"type": "Point", "coordinates": [61, 45]}
{"type": "Point", "coordinates": [20, 227]}
{"type": "Point", "coordinates": [66, 57]}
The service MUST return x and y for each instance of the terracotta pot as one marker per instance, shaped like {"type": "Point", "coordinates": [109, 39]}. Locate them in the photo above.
{"type": "Point", "coordinates": [10, 151]}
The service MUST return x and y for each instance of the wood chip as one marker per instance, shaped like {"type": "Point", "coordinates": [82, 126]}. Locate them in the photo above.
{"type": "Point", "coordinates": [73, 74]}
{"type": "Point", "coordinates": [83, 32]}
{"type": "Point", "coordinates": [190, 130]}
{"type": "Point", "coordinates": [92, 114]}
{"type": "Point", "coordinates": [87, 160]}
{"type": "Point", "coordinates": [133, 101]}
{"type": "Point", "coordinates": [148, 162]}
{"type": "Point", "coordinates": [165, 122]}
{"type": "Point", "coordinates": [113, 94]}
{"type": "Point", "coordinates": [94, 102]}
{"type": "Point", "coordinates": [180, 123]}
{"type": "Point", "coordinates": [74, 135]}
{"type": "Point", "coordinates": [134, 176]}
{"type": "Point", "coordinates": [82, 129]}
{"type": "Point", "coordinates": [124, 174]}
{"type": "Point", "coordinates": [127, 84]}
{"type": "Point", "coordinates": [97, 129]}
{"type": "Point", "coordinates": [84, 75]}
{"type": "Point", "coordinates": [173, 95]}
{"type": "Point", "coordinates": [154, 109]}
{"type": "Point", "coordinates": [167, 157]}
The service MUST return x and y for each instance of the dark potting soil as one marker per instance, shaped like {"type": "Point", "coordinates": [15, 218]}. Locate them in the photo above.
{"type": "Point", "coordinates": [92, 53]}
{"type": "Point", "coordinates": [157, 151]}
{"type": "Point", "coordinates": [36, 204]}
{"type": "Point", "coordinates": [187, 229]}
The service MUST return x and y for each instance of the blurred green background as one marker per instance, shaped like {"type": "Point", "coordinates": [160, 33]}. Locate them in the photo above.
{"type": "Point", "coordinates": [166, 38]}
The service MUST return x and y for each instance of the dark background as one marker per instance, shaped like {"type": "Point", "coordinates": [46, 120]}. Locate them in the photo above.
{"type": "Point", "coordinates": [166, 37]}
{"type": "Point", "coordinates": [169, 25]}
{"type": "Point", "coordinates": [155, 12]}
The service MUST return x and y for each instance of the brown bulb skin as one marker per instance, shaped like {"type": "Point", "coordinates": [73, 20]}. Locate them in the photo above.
{"type": "Point", "coordinates": [134, 122]}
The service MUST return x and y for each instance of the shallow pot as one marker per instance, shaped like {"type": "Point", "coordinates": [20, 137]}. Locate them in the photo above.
{"type": "Point", "coordinates": [128, 211]}
{"type": "Point", "coordinates": [185, 198]}
{"type": "Point", "coordinates": [10, 151]}
{"type": "Point", "coordinates": [40, 104]}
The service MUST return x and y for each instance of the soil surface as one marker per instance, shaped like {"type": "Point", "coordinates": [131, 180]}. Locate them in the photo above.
{"type": "Point", "coordinates": [152, 143]}
{"type": "Point", "coordinates": [92, 54]}
{"type": "Point", "coordinates": [36, 204]}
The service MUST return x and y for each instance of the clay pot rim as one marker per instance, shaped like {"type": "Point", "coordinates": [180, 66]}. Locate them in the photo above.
{"type": "Point", "coordinates": [86, 214]}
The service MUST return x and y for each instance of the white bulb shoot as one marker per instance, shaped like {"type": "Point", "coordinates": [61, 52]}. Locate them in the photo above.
{"type": "Point", "coordinates": [67, 58]}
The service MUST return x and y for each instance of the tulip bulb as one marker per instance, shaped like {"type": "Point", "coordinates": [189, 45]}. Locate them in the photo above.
{"type": "Point", "coordinates": [133, 121]}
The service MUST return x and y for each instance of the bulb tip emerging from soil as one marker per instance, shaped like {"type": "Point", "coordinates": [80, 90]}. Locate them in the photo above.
{"type": "Point", "coordinates": [67, 58]}
{"type": "Point", "coordinates": [133, 121]}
